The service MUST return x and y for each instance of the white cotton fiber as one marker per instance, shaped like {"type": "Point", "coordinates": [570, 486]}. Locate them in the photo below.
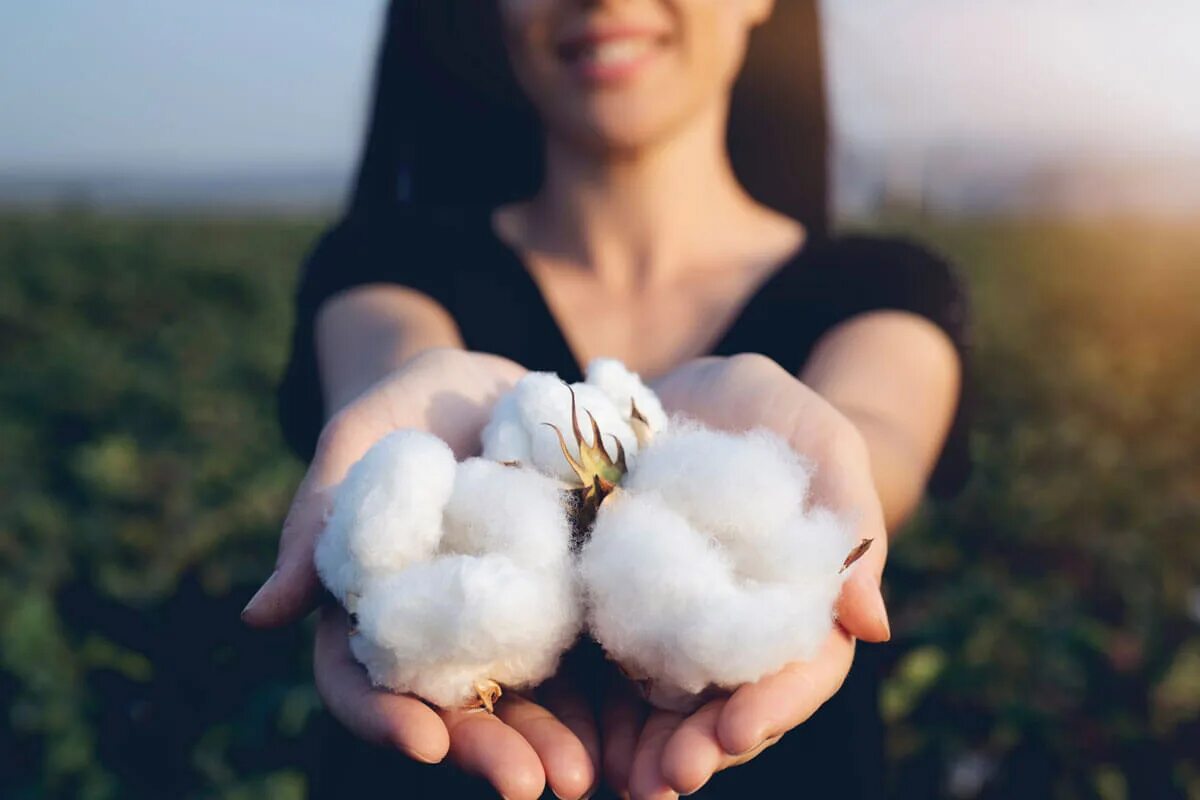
{"type": "Point", "coordinates": [623, 387]}
{"type": "Point", "coordinates": [518, 430]}
{"type": "Point", "coordinates": [439, 628]}
{"type": "Point", "coordinates": [500, 509]}
{"type": "Point", "coordinates": [706, 569]}
{"type": "Point", "coordinates": [739, 487]}
{"type": "Point", "coordinates": [387, 512]}
{"type": "Point", "coordinates": [457, 574]}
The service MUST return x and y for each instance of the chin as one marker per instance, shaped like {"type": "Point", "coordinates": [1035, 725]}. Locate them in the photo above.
{"type": "Point", "coordinates": [618, 126]}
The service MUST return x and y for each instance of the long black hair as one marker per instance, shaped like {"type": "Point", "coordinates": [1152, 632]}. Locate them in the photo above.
{"type": "Point", "coordinates": [450, 126]}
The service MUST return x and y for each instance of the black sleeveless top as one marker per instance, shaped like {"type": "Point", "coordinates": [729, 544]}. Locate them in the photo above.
{"type": "Point", "coordinates": [454, 256]}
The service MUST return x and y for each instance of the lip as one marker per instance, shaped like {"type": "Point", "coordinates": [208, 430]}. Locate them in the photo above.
{"type": "Point", "coordinates": [599, 35]}
{"type": "Point", "coordinates": [571, 47]}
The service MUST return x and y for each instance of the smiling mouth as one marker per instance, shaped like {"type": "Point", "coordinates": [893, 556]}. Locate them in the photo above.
{"type": "Point", "coordinates": [610, 57]}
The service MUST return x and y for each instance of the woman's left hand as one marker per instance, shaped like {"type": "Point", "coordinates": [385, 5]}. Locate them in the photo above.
{"type": "Point", "coordinates": [673, 753]}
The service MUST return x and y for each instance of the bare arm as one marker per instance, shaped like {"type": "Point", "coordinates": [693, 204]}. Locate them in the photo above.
{"type": "Point", "coordinates": [368, 332]}
{"type": "Point", "coordinates": [896, 377]}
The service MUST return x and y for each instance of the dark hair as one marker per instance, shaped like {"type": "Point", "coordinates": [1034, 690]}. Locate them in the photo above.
{"type": "Point", "coordinates": [450, 126]}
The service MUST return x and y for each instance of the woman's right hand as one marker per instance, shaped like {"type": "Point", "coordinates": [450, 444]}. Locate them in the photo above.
{"type": "Point", "coordinates": [449, 393]}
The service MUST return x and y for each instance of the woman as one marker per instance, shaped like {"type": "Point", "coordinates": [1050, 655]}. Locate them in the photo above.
{"type": "Point", "coordinates": [640, 244]}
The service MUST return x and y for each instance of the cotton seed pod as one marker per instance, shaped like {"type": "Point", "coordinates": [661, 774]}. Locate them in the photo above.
{"type": "Point", "coordinates": [707, 569]}
{"type": "Point", "coordinates": [459, 577]}
{"type": "Point", "coordinates": [526, 422]}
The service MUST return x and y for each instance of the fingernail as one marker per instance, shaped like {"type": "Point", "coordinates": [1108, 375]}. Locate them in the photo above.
{"type": "Point", "coordinates": [757, 745]}
{"type": "Point", "coordinates": [591, 791]}
{"type": "Point", "coordinates": [417, 756]}
{"type": "Point", "coordinates": [258, 594]}
{"type": "Point", "coordinates": [881, 616]}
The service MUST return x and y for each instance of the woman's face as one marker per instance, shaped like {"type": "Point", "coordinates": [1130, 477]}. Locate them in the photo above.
{"type": "Point", "coordinates": [623, 74]}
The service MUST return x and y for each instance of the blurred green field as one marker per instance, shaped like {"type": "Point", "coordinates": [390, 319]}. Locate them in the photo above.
{"type": "Point", "coordinates": [1047, 622]}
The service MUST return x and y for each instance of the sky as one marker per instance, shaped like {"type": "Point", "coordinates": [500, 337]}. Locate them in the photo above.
{"type": "Point", "coordinates": [183, 84]}
{"type": "Point", "coordinates": [1113, 76]}
{"type": "Point", "coordinates": [226, 84]}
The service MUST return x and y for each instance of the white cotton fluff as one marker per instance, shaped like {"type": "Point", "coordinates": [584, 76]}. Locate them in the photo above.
{"type": "Point", "coordinates": [457, 573]}
{"type": "Point", "coordinates": [518, 430]}
{"type": "Point", "coordinates": [387, 512]}
{"type": "Point", "coordinates": [623, 386]}
{"type": "Point", "coordinates": [739, 488]}
{"type": "Point", "coordinates": [706, 569]}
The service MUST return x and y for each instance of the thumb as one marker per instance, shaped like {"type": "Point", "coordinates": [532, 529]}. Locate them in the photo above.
{"type": "Point", "coordinates": [861, 609]}
{"type": "Point", "coordinates": [293, 590]}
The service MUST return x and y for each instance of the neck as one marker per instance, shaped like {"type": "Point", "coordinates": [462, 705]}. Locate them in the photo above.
{"type": "Point", "coordinates": [634, 217]}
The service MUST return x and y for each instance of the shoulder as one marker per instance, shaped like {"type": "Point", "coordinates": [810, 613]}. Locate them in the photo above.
{"type": "Point", "coordinates": [410, 246]}
{"type": "Point", "coordinates": [858, 273]}
{"type": "Point", "coordinates": [894, 259]}
{"type": "Point", "coordinates": [412, 228]}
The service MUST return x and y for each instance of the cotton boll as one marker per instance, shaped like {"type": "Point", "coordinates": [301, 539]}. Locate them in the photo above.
{"type": "Point", "coordinates": [624, 388]}
{"type": "Point", "coordinates": [706, 570]}
{"type": "Point", "coordinates": [738, 487]}
{"type": "Point", "coordinates": [553, 405]}
{"type": "Point", "coordinates": [458, 575]}
{"type": "Point", "coordinates": [387, 511]}
{"type": "Point", "coordinates": [519, 429]}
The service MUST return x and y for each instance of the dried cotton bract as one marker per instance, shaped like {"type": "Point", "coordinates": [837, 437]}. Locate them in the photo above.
{"type": "Point", "coordinates": [458, 576]}
{"type": "Point", "coordinates": [706, 569]}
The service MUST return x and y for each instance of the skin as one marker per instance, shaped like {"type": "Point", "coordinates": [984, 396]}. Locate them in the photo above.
{"type": "Point", "coordinates": [642, 216]}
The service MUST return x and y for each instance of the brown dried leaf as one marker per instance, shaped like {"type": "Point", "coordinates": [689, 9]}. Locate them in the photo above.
{"type": "Point", "coordinates": [858, 552]}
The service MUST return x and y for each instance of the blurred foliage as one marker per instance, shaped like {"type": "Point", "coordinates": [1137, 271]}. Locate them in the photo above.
{"type": "Point", "coordinates": [1048, 619]}
{"type": "Point", "coordinates": [142, 481]}
{"type": "Point", "coordinates": [1047, 622]}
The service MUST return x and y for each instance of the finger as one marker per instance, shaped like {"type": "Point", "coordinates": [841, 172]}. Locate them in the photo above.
{"type": "Point", "coordinates": [777, 703]}
{"type": "Point", "coordinates": [842, 481]}
{"type": "Point", "coordinates": [694, 753]}
{"type": "Point", "coordinates": [573, 710]}
{"type": "Point", "coordinates": [293, 589]}
{"type": "Point", "coordinates": [646, 781]}
{"type": "Point", "coordinates": [861, 609]}
{"type": "Point", "coordinates": [621, 723]}
{"type": "Point", "coordinates": [568, 767]}
{"type": "Point", "coordinates": [483, 745]}
{"type": "Point", "coordinates": [381, 717]}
